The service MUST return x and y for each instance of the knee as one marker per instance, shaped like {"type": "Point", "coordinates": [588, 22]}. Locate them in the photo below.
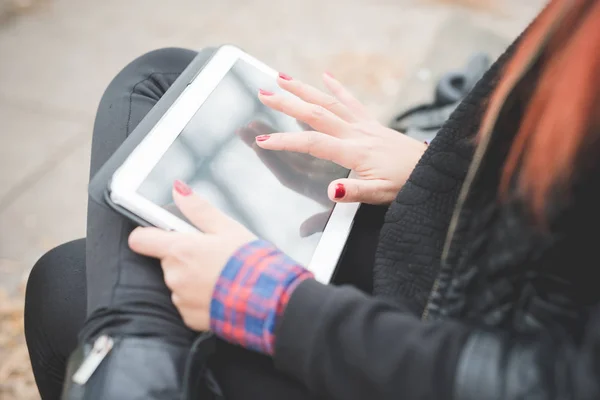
{"type": "Point", "coordinates": [149, 75]}
{"type": "Point", "coordinates": [56, 280]}
{"type": "Point", "coordinates": [166, 61]}
{"type": "Point", "coordinates": [160, 59]}
{"type": "Point", "coordinates": [54, 312]}
{"type": "Point", "coordinates": [53, 267]}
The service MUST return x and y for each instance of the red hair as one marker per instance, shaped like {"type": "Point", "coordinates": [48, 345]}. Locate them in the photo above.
{"type": "Point", "coordinates": [562, 116]}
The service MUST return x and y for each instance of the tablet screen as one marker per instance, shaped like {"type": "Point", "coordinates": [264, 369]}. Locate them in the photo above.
{"type": "Point", "coordinates": [280, 196]}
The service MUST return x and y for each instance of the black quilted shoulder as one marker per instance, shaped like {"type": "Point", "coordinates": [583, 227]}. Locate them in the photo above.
{"type": "Point", "coordinates": [412, 237]}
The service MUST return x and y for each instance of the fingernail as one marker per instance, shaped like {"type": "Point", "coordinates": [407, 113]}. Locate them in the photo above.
{"type": "Point", "coordinates": [285, 77]}
{"type": "Point", "coordinates": [265, 92]}
{"type": "Point", "coordinates": [340, 191]}
{"type": "Point", "coordinates": [262, 138]}
{"type": "Point", "coordinates": [182, 188]}
{"type": "Point", "coordinates": [329, 74]}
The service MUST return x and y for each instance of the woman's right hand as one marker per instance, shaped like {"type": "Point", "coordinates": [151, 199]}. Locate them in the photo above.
{"type": "Point", "coordinates": [344, 132]}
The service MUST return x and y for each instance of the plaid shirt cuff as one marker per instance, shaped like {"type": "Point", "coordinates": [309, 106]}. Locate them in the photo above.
{"type": "Point", "coordinates": [252, 293]}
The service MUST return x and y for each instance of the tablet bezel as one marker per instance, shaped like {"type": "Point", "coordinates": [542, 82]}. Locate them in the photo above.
{"type": "Point", "coordinates": [128, 178]}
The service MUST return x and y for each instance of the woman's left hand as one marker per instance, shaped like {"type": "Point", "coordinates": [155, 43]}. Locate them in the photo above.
{"type": "Point", "coordinates": [192, 262]}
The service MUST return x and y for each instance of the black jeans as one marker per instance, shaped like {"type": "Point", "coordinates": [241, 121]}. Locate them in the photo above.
{"type": "Point", "coordinates": [98, 284]}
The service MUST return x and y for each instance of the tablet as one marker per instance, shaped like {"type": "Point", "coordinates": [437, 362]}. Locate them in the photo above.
{"type": "Point", "coordinates": [206, 139]}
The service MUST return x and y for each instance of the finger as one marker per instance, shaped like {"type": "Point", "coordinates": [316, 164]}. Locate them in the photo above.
{"type": "Point", "coordinates": [270, 159]}
{"type": "Point", "coordinates": [313, 143]}
{"type": "Point", "coordinates": [345, 97]}
{"type": "Point", "coordinates": [316, 116]}
{"type": "Point", "coordinates": [313, 95]}
{"type": "Point", "coordinates": [291, 170]}
{"type": "Point", "coordinates": [151, 242]}
{"type": "Point", "coordinates": [176, 300]}
{"type": "Point", "coordinates": [197, 319]}
{"type": "Point", "coordinates": [255, 128]}
{"type": "Point", "coordinates": [287, 167]}
{"type": "Point", "coordinates": [173, 273]}
{"type": "Point", "coordinates": [201, 213]}
{"type": "Point", "coordinates": [361, 191]}
{"type": "Point", "coordinates": [296, 161]}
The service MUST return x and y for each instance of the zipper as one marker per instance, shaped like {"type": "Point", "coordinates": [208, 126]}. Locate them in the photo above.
{"type": "Point", "coordinates": [478, 157]}
{"type": "Point", "coordinates": [102, 346]}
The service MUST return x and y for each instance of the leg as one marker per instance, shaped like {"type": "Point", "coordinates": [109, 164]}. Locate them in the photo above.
{"type": "Point", "coordinates": [55, 310]}
{"type": "Point", "coordinates": [127, 298]}
{"type": "Point", "coordinates": [143, 306]}
{"type": "Point", "coordinates": [55, 307]}
{"type": "Point", "coordinates": [126, 292]}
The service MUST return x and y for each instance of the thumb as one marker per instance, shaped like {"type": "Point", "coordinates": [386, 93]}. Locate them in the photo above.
{"type": "Point", "coordinates": [361, 191]}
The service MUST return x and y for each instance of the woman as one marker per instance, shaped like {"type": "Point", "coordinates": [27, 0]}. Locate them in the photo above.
{"type": "Point", "coordinates": [482, 280]}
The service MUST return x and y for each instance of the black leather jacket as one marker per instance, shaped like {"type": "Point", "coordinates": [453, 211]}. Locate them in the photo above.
{"type": "Point", "coordinates": [529, 296]}
{"type": "Point", "coordinates": [511, 311]}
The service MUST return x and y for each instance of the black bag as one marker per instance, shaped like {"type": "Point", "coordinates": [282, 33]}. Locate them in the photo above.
{"type": "Point", "coordinates": [424, 121]}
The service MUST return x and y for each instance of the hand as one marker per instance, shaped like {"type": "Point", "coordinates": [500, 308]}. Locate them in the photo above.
{"type": "Point", "coordinates": [293, 169]}
{"type": "Point", "coordinates": [346, 134]}
{"type": "Point", "coordinates": [192, 262]}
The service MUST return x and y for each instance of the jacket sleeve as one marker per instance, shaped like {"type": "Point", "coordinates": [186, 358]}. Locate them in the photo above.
{"type": "Point", "coordinates": [344, 345]}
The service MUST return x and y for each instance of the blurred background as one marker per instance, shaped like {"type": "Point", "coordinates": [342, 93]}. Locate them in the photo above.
{"type": "Point", "coordinates": [57, 56]}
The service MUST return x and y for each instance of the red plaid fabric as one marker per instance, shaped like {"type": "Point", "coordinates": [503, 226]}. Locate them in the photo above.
{"type": "Point", "coordinates": [251, 293]}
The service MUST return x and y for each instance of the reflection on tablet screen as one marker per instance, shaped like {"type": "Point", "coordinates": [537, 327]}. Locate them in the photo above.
{"type": "Point", "coordinates": [280, 196]}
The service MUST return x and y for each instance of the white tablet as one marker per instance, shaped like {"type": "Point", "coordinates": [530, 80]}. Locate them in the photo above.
{"type": "Point", "coordinates": [206, 139]}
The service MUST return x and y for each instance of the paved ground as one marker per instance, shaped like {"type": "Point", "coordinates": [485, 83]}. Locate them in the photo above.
{"type": "Point", "coordinates": [56, 59]}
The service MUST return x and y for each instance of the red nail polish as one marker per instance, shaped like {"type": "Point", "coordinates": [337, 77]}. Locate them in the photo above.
{"type": "Point", "coordinates": [182, 188]}
{"type": "Point", "coordinates": [262, 138]}
{"type": "Point", "coordinates": [340, 191]}
{"type": "Point", "coordinates": [285, 77]}
{"type": "Point", "coordinates": [265, 92]}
